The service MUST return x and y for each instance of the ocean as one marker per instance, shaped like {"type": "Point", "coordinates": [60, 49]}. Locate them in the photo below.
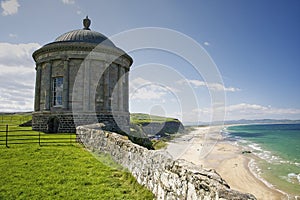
{"type": "Point", "coordinates": [275, 150]}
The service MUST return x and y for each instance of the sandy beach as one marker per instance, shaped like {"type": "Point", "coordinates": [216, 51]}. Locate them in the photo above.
{"type": "Point", "coordinates": [227, 159]}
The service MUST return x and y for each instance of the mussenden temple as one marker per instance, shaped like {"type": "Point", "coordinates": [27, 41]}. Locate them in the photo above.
{"type": "Point", "coordinates": [81, 78]}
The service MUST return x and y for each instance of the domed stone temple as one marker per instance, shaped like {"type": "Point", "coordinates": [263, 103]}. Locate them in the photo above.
{"type": "Point", "coordinates": [81, 78]}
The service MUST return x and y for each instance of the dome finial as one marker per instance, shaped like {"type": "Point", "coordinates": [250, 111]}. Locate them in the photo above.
{"type": "Point", "coordinates": [86, 23]}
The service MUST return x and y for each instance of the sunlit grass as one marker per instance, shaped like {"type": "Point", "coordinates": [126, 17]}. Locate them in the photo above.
{"type": "Point", "coordinates": [140, 118]}
{"type": "Point", "coordinates": [62, 171]}
{"type": "Point", "coordinates": [159, 144]}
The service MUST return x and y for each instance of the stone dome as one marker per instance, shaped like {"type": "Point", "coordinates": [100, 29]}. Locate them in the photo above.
{"type": "Point", "coordinates": [85, 35]}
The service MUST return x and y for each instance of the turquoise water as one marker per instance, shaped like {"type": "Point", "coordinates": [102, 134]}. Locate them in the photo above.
{"type": "Point", "coordinates": [278, 147]}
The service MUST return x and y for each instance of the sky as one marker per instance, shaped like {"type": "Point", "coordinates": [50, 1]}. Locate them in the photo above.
{"type": "Point", "coordinates": [253, 45]}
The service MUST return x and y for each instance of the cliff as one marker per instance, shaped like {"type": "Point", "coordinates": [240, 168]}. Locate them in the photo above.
{"type": "Point", "coordinates": [159, 172]}
{"type": "Point", "coordinates": [155, 125]}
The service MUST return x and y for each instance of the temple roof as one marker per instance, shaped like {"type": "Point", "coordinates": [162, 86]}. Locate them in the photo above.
{"type": "Point", "coordinates": [85, 35]}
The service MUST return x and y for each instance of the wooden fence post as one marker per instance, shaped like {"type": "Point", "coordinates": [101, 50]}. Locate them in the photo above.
{"type": "Point", "coordinates": [6, 137]}
{"type": "Point", "coordinates": [39, 138]}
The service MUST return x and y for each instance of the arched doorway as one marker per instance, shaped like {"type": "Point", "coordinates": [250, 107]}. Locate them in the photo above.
{"type": "Point", "coordinates": [53, 125]}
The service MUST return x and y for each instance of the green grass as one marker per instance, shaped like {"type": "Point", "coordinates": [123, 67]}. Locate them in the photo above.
{"type": "Point", "coordinates": [140, 118]}
{"type": "Point", "coordinates": [159, 144]}
{"type": "Point", "coordinates": [20, 135]}
{"type": "Point", "coordinates": [14, 119]}
{"type": "Point", "coordinates": [62, 171]}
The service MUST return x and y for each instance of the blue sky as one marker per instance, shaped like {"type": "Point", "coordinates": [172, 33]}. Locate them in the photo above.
{"type": "Point", "coordinates": [255, 45]}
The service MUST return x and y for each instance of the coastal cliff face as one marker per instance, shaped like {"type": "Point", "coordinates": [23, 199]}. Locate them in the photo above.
{"type": "Point", "coordinates": [165, 177]}
{"type": "Point", "coordinates": [156, 125]}
{"type": "Point", "coordinates": [162, 128]}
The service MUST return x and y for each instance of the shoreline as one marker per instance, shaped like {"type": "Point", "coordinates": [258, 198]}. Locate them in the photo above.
{"type": "Point", "coordinates": [254, 167]}
{"type": "Point", "coordinates": [265, 182]}
{"type": "Point", "coordinates": [227, 159]}
{"type": "Point", "coordinates": [252, 160]}
{"type": "Point", "coordinates": [235, 170]}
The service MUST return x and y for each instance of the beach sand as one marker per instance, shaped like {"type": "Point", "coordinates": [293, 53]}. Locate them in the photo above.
{"type": "Point", "coordinates": [233, 168]}
{"type": "Point", "coordinates": [226, 159]}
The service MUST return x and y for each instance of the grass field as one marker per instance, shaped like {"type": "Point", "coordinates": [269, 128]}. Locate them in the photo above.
{"type": "Point", "coordinates": [159, 144]}
{"type": "Point", "coordinates": [139, 118]}
{"type": "Point", "coordinates": [61, 171]}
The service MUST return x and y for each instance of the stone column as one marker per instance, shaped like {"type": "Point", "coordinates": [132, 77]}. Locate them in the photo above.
{"type": "Point", "coordinates": [126, 91]}
{"type": "Point", "coordinates": [106, 90]}
{"type": "Point", "coordinates": [121, 79]}
{"type": "Point", "coordinates": [113, 86]}
{"type": "Point", "coordinates": [48, 86]}
{"type": "Point", "coordinates": [66, 85]}
{"type": "Point", "coordinates": [86, 86]}
{"type": "Point", "coordinates": [37, 88]}
{"type": "Point", "coordinates": [100, 88]}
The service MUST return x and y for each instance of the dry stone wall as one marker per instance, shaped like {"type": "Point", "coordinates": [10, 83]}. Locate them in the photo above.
{"type": "Point", "coordinates": [165, 177]}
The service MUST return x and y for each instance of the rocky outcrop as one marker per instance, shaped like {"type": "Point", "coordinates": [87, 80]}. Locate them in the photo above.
{"type": "Point", "coordinates": [165, 177]}
{"type": "Point", "coordinates": [155, 128]}
{"type": "Point", "coordinates": [152, 125]}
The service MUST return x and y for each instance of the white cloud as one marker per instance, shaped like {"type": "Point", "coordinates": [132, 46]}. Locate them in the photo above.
{"type": "Point", "coordinates": [68, 1]}
{"type": "Point", "coordinates": [206, 43]}
{"type": "Point", "coordinates": [17, 54]}
{"type": "Point", "coordinates": [10, 7]}
{"type": "Point", "coordinates": [210, 86]}
{"type": "Point", "coordinates": [17, 77]}
{"type": "Point", "coordinates": [141, 89]}
{"type": "Point", "coordinates": [13, 35]}
{"type": "Point", "coordinates": [138, 82]}
{"type": "Point", "coordinates": [148, 93]}
{"type": "Point", "coordinates": [16, 89]}
{"type": "Point", "coordinates": [248, 109]}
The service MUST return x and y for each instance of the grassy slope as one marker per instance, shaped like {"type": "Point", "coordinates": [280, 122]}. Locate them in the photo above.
{"type": "Point", "coordinates": [139, 118]}
{"type": "Point", "coordinates": [62, 172]}
{"type": "Point", "coordinates": [159, 144]}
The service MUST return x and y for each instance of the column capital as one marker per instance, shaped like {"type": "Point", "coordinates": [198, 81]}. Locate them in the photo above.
{"type": "Point", "coordinates": [49, 63]}
{"type": "Point", "coordinates": [38, 66]}
{"type": "Point", "coordinates": [66, 85]}
{"type": "Point", "coordinates": [65, 58]}
{"type": "Point", "coordinates": [49, 86]}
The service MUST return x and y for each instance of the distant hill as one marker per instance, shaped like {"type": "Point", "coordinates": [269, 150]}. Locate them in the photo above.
{"type": "Point", "coordinates": [16, 113]}
{"type": "Point", "coordinates": [146, 118]}
{"type": "Point", "coordinates": [263, 121]}
{"type": "Point", "coordinates": [249, 121]}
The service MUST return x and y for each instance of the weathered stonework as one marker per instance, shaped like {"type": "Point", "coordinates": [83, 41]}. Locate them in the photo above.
{"type": "Point", "coordinates": [67, 125]}
{"type": "Point", "coordinates": [165, 177]}
{"type": "Point", "coordinates": [95, 83]}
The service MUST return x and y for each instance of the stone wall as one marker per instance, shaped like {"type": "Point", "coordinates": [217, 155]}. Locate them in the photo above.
{"type": "Point", "coordinates": [67, 121]}
{"type": "Point", "coordinates": [165, 177]}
